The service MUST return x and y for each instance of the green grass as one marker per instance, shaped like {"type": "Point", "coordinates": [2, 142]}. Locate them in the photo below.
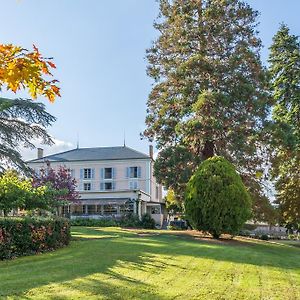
{"type": "Point", "coordinates": [110, 263]}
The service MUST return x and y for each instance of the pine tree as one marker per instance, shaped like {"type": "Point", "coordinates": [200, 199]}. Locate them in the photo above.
{"type": "Point", "coordinates": [209, 94]}
{"type": "Point", "coordinates": [285, 83]}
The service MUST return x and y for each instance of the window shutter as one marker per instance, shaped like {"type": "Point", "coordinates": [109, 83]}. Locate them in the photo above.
{"type": "Point", "coordinates": [113, 170]}
{"type": "Point", "coordinates": [92, 186]}
{"type": "Point", "coordinates": [139, 172]}
{"type": "Point", "coordinates": [92, 173]}
{"type": "Point", "coordinates": [102, 173]}
{"type": "Point", "coordinates": [81, 186]}
{"type": "Point", "coordinates": [72, 173]}
{"type": "Point", "coordinates": [113, 185]}
{"type": "Point", "coordinates": [101, 186]}
{"type": "Point", "coordinates": [127, 172]}
{"type": "Point", "coordinates": [130, 185]}
{"type": "Point", "coordinates": [81, 173]}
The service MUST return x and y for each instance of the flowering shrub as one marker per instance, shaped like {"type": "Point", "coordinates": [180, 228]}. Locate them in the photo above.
{"type": "Point", "coordinates": [22, 236]}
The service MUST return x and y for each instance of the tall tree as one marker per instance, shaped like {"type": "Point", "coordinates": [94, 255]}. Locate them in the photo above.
{"type": "Point", "coordinates": [285, 83]}
{"type": "Point", "coordinates": [22, 120]}
{"type": "Point", "coordinates": [209, 94]}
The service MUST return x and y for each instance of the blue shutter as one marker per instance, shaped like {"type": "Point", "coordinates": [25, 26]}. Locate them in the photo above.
{"type": "Point", "coordinates": [92, 186]}
{"type": "Point", "coordinates": [92, 173]}
{"type": "Point", "coordinates": [102, 186]}
{"type": "Point", "coordinates": [113, 185]}
{"type": "Point", "coordinates": [113, 170]}
{"type": "Point", "coordinates": [81, 173]}
{"type": "Point", "coordinates": [130, 185]}
{"type": "Point", "coordinates": [81, 186]}
{"type": "Point", "coordinates": [127, 172]}
{"type": "Point", "coordinates": [102, 173]}
{"type": "Point", "coordinates": [139, 172]}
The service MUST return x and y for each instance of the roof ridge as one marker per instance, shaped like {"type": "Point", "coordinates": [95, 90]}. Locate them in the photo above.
{"type": "Point", "coordinates": [63, 152]}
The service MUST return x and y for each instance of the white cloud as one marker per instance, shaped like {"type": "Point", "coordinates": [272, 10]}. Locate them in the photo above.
{"type": "Point", "coordinates": [58, 146]}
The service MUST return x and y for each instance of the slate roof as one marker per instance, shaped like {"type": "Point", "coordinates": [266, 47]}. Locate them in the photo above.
{"type": "Point", "coordinates": [94, 154]}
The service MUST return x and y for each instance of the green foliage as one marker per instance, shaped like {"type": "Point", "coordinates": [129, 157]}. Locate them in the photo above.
{"type": "Point", "coordinates": [22, 236]}
{"type": "Point", "coordinates": [173, 168]}
{"type": "Point", "coordinates": [130, 220]}
{"type": "Point", "coordinates": [18, 193]}
{"type": "Point", "coordinates": [173, 204]}
{"type": "Point", "coordinates": [216, 198]}
{"type": "Point", "coordinates": [285, 84]}
{"type": "Point", "coordinates": [21, 121]}
{"type": "Point", "coordinates": [210, 93]}
{"type": "Point", "coordinates": [147, 222]}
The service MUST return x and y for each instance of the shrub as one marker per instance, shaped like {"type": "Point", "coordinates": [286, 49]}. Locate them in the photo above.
{"type": "Point", "coordinates": [93, 222]}
{"type": "Point", "coordinates": [22, 236]}
{"type": "Point", "coordinates": [147, 222]}
{"type": "Point", "coordinates": [264, 237]}
{"type": "Point", "coordinates": [130, 220]}
{"type": "Point", "coordinates": [216, 199]}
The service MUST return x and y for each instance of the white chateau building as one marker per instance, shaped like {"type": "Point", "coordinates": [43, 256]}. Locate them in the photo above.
{"type": "Point", "coordinates": [111, 181]}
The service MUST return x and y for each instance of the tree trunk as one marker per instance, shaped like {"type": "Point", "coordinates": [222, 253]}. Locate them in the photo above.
{"type": "Point", "coordinates": [208, 150]}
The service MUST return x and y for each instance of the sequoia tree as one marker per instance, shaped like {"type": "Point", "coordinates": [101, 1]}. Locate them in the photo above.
{"type": "Point", "coordinates": [22, 120]}
{"type": "Point", "coordinates": [209, 95]}
{"type": "Point", "coordinates": [285, 83]}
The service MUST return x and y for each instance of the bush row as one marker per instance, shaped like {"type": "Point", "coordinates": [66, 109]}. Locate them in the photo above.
{"type": "Point", "coordinates": [23, 236]}
{"type": "Point", "coordinates": [129, 220]}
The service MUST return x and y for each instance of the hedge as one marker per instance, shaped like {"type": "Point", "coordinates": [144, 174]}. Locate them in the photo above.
{"type": "Point", "coordinates": [24, 236]}
{"type": "Point", "coordinates": [129, 220]}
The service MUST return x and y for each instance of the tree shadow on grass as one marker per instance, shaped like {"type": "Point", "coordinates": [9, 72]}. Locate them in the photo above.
{"type": "Point", "coordinates": [89, 256]}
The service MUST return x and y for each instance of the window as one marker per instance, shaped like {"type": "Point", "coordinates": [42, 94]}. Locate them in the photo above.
{"type": "Point", "coordinates": [126, 208]}
{"type": "Point", "coordinates": [108, 186]}
{"type": "Point", "coordinates": [155, 210]}
{"type": "Point", "coordinates": [78, 210]}
{"type": "Point", "coordinates": [133, 185]}
{"type": "Point", "coordinates": [108, 173]}
{"type": "Point", "coordinates": [87, 173]}
{"type": "Point", "coordinates": [87, 186]}
{"type": "Point", "coordinates": [91, 209]}
{"type": "Point", "coordinates": [133, 172]}
{"type": "Point", "coordinates": [110, 209]}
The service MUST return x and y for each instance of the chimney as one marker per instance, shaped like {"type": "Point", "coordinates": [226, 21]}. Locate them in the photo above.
{"type": "Point", "coordinates": [40, 152]}
{"type": "Point", "coordinates": [151, 151]}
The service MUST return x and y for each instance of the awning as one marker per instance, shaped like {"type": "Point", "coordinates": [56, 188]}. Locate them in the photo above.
{"type": "Point", "coordinates": [104, 201]}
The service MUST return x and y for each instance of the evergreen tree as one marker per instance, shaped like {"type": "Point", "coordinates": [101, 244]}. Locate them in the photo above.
{"type": "Point", "coordinates": [21, 121]}
{"type": "Point", "coordinates": [209, 95]}
{"type": "Point", "coordinates": [285, 84]}
{"type": "Point", "coordinates": [216, 199]}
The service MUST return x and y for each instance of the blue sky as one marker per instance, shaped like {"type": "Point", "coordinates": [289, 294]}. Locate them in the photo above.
{"type": "Point", "coordinates": [99, 49]}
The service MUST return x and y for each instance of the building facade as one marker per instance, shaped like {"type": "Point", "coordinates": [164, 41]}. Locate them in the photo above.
{"type": "Point", "coordinates": [111, 181]}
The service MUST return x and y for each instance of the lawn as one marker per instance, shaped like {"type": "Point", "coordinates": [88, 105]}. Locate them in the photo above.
{"type": "Point", "coordinates": [111, 263]}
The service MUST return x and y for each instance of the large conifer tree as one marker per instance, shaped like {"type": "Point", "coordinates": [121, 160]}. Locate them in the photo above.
{"type": "Point", "coordinates": [209, 94]}
{"type": "Point", "coordinates": [285, 82]}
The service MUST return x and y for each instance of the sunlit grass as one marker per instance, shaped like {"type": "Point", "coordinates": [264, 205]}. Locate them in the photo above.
{"type": "Point", "coordinates": [111, 263]}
